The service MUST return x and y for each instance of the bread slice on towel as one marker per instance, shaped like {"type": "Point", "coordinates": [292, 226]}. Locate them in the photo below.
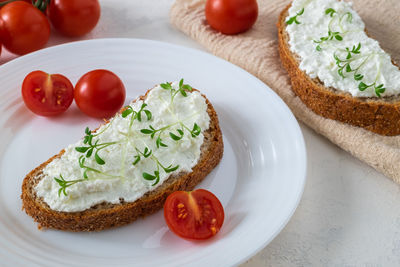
{"type": "Point", "coordinates": [379, 115]}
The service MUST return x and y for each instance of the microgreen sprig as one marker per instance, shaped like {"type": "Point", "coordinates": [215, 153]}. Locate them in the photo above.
{"type": "Point", "coordinates": [182, 89]}
{"type": "Point", "coordinates": [337, 35]}
{"type": "Point", "coordinates": [96, 147]}
{"type": "Point", "coordinates": [156, 174]}
{"type": "Point", "coordinates": [344, 66]}
{"type": "Point", "coordinates": [65, 184]}
{"type": "Point", "coordinates": [294, 18]}
{"type": "Point", "coordinates": [146, 153]}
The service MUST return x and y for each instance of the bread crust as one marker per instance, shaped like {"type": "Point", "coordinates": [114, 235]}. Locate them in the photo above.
{"type": "Point", "coordinates": [106, 215]}
{"type": "Point", "coordinates": [381, 116]}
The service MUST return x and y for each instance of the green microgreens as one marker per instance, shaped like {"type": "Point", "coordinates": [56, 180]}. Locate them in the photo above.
{"type": "Point", "coordinates": [194, 132]}
{"type": "Point", "coordinates": [146, 153]}
{"type": "Point", "coordinates": [156, 174]}
{"type": "Point", "coordinates": [183, 88]}
{"type": "Point", "coordinates": [333, 35]}
{"type": "Point", "coordinates": [96, 147]}
{"type": "Point", "coordinates": [294, 18]}
{"type": "Point", "coordinates": [92, 145]}
{"type": "Point", "coordinates": [344, 65]}
{"type": "Point", "coordinates": [64, 184]}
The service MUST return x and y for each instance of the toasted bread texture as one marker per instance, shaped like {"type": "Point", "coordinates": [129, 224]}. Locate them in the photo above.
{"type": "Point", "coordinates": [378, 115]}
{"type": "Point", "coordinates": [107, 215]}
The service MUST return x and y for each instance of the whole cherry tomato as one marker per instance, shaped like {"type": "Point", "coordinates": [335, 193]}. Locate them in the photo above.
{"type": "Point", "coordinates": [194, 215]}
{"type": "Point", "coordinates": [99, 93]}
{"type": "Point", "coordinates": [231, 16]}
{"type": "Point", "coordinates": [47, 94]}
{"type": "Point", "coordinates": [74, 17]}
{"type": "Point", "coordinates": [23, 28]}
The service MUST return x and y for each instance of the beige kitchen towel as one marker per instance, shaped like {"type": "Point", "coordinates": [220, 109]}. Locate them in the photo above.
{"type": "Point", "coordinates": [257, 52]}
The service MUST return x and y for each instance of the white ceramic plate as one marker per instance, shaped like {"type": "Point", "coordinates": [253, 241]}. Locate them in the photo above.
{"type": "Point", "coordinates": [259, 180]}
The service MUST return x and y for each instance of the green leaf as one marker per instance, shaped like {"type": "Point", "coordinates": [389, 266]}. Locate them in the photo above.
{"type": "Point", "coordinates": [340, 72]}
{"type": "Point", "coordinates": [348, 55]}
{"type": "Point", "coordinates": [160, 143]}
{"type": "Point", "coordinates": [89, 153]}
{"type": "Point", "coordinates": [187, 87]}
{"type": "Point", "coordinates": [348, 68]}
{"type": "Point", "coordinates": [338, 37]}
{"type": "Point", "coordinates": [147, 152]}
{"type": "Point", "coordinates": [290, 20]}
{"type": "Point", "coordinates": [148, 114]}
{"type": "Point", "coordinates": [318, 48]}
{"type": "Point", "coordinates": [166, 86]}
{"type": "Point", "coordinates": [137, 159]}
{"type": "Point", "coordinates": [301, 12]}
{"type": "Point", "coordinates": [175, 137]}
{"type": "Point", "coordinates": [126, 112]}
{"type": "Point", "coordinates": [180, 83]}
{"type": "Point", "coordinates": [358, 77]}
{"type": "Point", "coordinates": [196, 130]}
{"type": "Point", "coordinates": [98, 159]}
{"type": "Point", "coordinates": [330, 11]}
{"type": "Point", "coordinates": [148, 176]}
{"type": "Point", "coordinates": [82, 149]}
{"type": "Point", "coordinates": [296, 21]}
{"type": "Point", "coordinates": [87, 131]}
{"type": "Point", "coordinates": [171, 169]}
{"type": "Point", "coordinates": [183, 92]}
{"type": "Point", "coordinates": [362, 86]}
{"type": "Point", "coordinates": [146, 131]}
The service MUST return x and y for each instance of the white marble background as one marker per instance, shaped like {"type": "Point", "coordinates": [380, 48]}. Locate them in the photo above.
{"type": "Point", "coordinates": [349, 214]}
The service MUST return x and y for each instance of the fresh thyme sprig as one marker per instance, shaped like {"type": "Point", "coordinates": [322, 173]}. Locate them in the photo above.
{"type": "Point", "coordinates": [337, 35]}
{"type": "Point", "coordinates": [294, 18]}
{"type": "Point", "coordinates": [344, 65]}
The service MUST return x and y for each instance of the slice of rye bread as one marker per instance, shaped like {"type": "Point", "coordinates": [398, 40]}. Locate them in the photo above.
{"type": "Point", "coordinates": [378, 115]}
{"type": "Point", "coordinates": [107, 215]}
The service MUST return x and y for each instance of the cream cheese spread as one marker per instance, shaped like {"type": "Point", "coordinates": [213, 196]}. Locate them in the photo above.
{"type": "Point", "coordinates": [329, 38]}
{"type": "Point", "coordinates": [132, 153]}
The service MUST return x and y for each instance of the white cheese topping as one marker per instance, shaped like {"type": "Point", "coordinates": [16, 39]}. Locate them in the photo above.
{"type": "Point", "coordinates": [371, 66]}
{"type": "Point", "coordinates": [119, 178]}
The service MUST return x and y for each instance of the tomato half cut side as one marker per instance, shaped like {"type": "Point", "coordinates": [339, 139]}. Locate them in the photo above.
{"type": "Point", "coordinates": [47, 94]}
{"type": "Point", "coordinates": [194, 215]}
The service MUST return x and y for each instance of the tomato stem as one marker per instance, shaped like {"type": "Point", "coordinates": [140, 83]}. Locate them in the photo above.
{"type": "Point", "coordinates": [39, 4]}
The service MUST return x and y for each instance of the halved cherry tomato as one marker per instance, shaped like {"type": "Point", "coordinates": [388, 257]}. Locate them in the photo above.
{"type": "Point", "coordinates": [23, 28]}
{"type": "Point", "coordinates": [231, 16]}
{"type": "Point", "coordinates": [47, 94]}
{"type": "Point", "coordinates": [100, 93]}
{"type": "Point", "coordinates": [194, 215]}
{"type": "Point", "coordinates": [74, 17]}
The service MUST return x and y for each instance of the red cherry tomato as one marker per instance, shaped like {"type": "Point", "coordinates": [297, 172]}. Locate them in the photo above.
{"type": "Point", "coordinates": [194, 215]}
{"type": "Point", "coordinates": [231, 16]}
{"type": "Point", "coordinates": [74, 17]}
{"type": "Point", "coordinates": [99, 93]}
{"type": "Point", "coordinates": [47, 94]}
{"type": "Point", "coordinates": [23, 28]}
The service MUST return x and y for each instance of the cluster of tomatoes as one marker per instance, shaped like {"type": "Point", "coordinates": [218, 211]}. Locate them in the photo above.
{"type": "Point", "coordinates": [25, 24]}
{"type": "Point", "coordinates": [98, 93]}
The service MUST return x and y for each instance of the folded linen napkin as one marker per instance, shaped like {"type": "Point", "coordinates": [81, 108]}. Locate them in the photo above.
{"type": "Point", "coordinates": [257, 52]}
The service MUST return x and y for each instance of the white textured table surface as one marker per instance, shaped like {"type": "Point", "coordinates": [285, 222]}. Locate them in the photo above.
{"type": "Point", "coordinates": [349, 214]}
